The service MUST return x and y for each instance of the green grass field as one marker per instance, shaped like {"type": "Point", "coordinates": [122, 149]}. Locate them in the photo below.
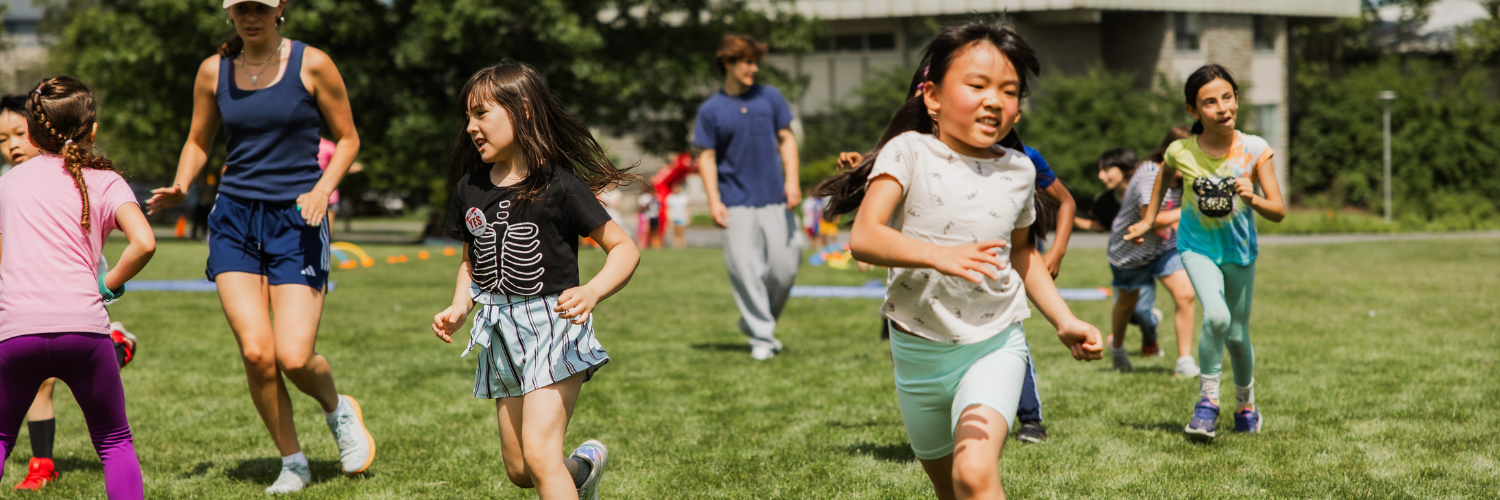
{"type": "Point", "coordinates": [1376, 377]}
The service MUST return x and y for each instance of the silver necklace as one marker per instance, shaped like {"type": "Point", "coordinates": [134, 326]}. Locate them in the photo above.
{"type": "Point", "coordinates": [255, 78]}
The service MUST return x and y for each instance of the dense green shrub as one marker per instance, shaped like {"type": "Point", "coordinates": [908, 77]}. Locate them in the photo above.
{"type": "Point", "coordinates": [1074, 119]}
{"type": "Point", "coordinates": [853, 124]}
{"type": "Point", "coordinates": [1445, 142]}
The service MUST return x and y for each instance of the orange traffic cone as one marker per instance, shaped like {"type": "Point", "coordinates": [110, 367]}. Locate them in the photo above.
{"type": "Point", "coordinates": [423, 255]}
{"type": "Point", "coordinates": [181, 226]}
{"type": "Point", "coordinates": [448, 251]}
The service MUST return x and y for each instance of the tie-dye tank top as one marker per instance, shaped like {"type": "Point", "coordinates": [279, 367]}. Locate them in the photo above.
{"type": "Point", "coordinates": [1231, 238]}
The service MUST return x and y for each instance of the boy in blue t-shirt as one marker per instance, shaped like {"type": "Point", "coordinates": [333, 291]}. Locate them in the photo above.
{"type": "Point", "coordinates": [749, 168]}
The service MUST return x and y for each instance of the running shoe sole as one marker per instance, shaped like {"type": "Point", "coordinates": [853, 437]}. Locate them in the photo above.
{"type": "Point", "coordinates": [359, 415]}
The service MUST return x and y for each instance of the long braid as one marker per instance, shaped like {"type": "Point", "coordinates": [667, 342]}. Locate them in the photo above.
{"type": "Point", "coordinates": [76, 156]}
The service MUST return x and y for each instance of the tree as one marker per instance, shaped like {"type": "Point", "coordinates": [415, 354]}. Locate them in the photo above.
{"type": "Point", "coordinates": [627, 66]}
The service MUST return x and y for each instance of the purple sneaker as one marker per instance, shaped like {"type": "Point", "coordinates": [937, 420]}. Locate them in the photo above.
{"type": "Point", "coordinates": [1247, 420]}
{"type": "Point", "coordinates": [1205, 415]}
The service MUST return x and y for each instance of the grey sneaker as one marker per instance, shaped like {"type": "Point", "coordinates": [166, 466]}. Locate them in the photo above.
{"type": "Point", "coordinates": [1187, 367]}
{"type": "Point", "coordinates": [1032, 432]}
{"type": "Point", "coordinates": [356, 447]}
{"type": "Point", "coordinates": [1122, 360]}
{"type": "Point", "coordinates": [292, 479]}
{"type": "Point", "coordinates": [597, 455]}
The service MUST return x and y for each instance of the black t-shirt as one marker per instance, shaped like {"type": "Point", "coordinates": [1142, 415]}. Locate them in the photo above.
{"type": "Point", "coordinates": [1106, 207]}
{"type": "Point", "coordinates": [526, 248]}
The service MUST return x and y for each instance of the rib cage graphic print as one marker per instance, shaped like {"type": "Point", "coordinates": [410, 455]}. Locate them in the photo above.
{"type": "Point", "coordinates": [507, 257]}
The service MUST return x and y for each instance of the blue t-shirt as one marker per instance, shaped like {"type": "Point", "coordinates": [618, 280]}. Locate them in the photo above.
{"type": "Point", "coordinates": [742, 131]}
{"type": "Point", "coordinates": [1044, 175]}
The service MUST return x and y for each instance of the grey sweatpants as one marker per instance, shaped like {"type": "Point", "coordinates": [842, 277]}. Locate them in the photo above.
{"type": "Point", "coordinates": [762, 250]}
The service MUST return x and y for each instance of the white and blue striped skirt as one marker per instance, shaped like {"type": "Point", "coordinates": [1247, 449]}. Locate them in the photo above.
{"type": "Point", "coordinates": [524, 346]}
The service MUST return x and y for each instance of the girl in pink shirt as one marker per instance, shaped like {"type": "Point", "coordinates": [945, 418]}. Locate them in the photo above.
{"type": "Point", "coordinates": [55, 211]}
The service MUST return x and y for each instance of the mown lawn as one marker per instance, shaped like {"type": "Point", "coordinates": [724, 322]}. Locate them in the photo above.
{"type": "Point", "coordinates": [1377, 378]}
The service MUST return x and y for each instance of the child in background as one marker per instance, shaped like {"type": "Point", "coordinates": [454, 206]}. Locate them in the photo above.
{"type": "Point", "coordinates": [55, 212]}
{"type": "Point", "coordinates": [1216, 236]}
{"type": "Point", "coordinates": [678, 215]}
{"type": "Point", "coordinates": [955, 300]}
{"type": "Point", "coordinates": [648, 219]}
{"type": "Point", "coordinates": [41, 421]}
{"type": "Point", "coordinates": [524, 177]}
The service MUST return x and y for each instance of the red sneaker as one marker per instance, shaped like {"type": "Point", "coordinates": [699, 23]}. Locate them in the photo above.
{"type": "Point", "coordinates": [1150, 350]}
{"type": "Point", "coordinates": [124, 343]}
{"type": "Point", "coordinates": [40, 474]}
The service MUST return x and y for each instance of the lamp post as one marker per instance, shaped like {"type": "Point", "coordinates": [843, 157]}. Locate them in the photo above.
{"type": "Point", "coordinates": [1386, 98]}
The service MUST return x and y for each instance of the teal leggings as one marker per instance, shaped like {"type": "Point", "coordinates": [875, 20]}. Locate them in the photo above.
{"type": "Point", "coordinates": [1225, 291]}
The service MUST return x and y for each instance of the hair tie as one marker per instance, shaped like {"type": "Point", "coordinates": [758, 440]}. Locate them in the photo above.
{"type": "Point", "coordinates": [70, 141]}
{"type": "Point", "coordinates": [39, 91]}
{"type": "Point", "coordinates": [924, 71]}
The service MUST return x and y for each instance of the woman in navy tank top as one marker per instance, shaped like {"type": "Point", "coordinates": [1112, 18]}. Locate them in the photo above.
{"type": "Point", "coordinates": [268, 243]}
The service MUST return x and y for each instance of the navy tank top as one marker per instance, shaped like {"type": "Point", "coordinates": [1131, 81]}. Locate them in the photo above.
{"type": "Point", "coordinates": [272, 133]}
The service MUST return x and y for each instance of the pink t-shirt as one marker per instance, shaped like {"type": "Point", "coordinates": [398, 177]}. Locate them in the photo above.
{"type": "Point", "coordinates": [47, 264]}
{"type": "Point", "coordinates": [325, 156]}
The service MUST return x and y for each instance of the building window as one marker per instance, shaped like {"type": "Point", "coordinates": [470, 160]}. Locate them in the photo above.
{"type": "Point", "coordinates": [882, 41]}
{"type": "Point", "coordinates": [1265, 33]}
{"type": "Point", "coordinates": [1266, 120]}
{"type": "Point", "coordinates": [857, 42]}
{"type": "Point", "coordinates": [1187, 29]}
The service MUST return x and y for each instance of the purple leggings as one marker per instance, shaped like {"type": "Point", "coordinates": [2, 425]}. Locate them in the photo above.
{"type": "Point", "coordinates": [86, 362]}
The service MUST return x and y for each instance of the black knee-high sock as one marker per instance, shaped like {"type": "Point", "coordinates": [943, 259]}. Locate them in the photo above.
{"type": "Point", "coordinates": [584, 469]}
{"type": "Point", "coordinates": [42, 433]}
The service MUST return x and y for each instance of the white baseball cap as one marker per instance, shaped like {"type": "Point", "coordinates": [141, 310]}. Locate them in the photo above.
{"type": "Point", "coordinates": [271, 3]}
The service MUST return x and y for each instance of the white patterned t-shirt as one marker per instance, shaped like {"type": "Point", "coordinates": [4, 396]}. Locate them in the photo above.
{"type": "Point", "coordinates": [950, 199]}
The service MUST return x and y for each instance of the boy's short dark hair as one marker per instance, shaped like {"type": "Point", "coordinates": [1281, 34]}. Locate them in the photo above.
{"type": "Point", "coordinates": [736, 48]}
{"type": "Point", "coordinates": [1121, 158]}
{"type": "Point", "coordinates": [15, 104]}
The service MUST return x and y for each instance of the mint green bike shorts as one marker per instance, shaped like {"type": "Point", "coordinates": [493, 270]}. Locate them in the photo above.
{"type": "Point", "coordinates": [936, 382]}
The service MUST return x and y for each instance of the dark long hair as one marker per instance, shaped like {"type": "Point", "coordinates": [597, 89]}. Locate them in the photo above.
{"type": "Point", "coordinates": [62, 115]}
{"type": "Point", "coordinates": [1197, 80]}
{"type": "Point", "coordinates": [16, 104]}
{"type": "Point", "coordinates": [847, 189]}
{"type": "Point", "coordinates": [548, 138]}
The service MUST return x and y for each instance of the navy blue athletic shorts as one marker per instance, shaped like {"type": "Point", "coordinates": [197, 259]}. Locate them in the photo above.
{"type": "Point", "coordinates": [268, 239]}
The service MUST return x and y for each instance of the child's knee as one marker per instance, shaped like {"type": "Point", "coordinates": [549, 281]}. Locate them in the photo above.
{"type": "Point", "coordinates": [1216, 320]}
{"type": "Point", "coordinates": [518, 475]}
{"type": "Point", "coordinates": [974, 474]}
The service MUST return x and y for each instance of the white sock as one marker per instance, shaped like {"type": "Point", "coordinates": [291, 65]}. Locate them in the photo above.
{"type": "Point", "coordinates": [295, 458]}
{"type": "Point", "coordinates": [1244, 397]}
{"type": "Point", "coordinates": [1208, 387]}
{"type": "Point", "coordinates": [342, 407]}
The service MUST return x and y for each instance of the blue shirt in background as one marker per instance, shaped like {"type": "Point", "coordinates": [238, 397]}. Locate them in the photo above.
{"type": "Point", "coordinates": [742, 131]}
{"type": "Point", "coordinates": [1044, 175]}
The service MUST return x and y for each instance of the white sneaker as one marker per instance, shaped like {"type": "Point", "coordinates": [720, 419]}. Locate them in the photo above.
{"type": "Point", "coordinates": [1187, 367]}
{"type": "Point", "coordinates": [1122, 360]}
{"type": "Point", "coordinates": [356, 446]}
{"type": "Point", "coordinates": [1156, 313]}
{"type": "Point", "coordinates": [293, 478]}
{"type": "Point", "coordinates": [762, 353]}
{"type": "Point", "coordinates": [596, 455]}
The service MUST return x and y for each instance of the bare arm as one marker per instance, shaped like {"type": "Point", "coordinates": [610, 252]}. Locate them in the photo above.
{"type": "Point", "coordinates": [873, 241]}
{"type": "Point", "coordinates": [333, 101]}
{"type": "Point", "coordinates": [1269, 206]}
{"type": "Point", "coordinates": [201, 132]}
{"type": "Point", "coordinates": [1158, 191]}
{"type": "Point", "coordinates": [138, 252]}
{"type": "Point", "coordinates": [1066, 209]}
{"type": "Point", "coordinates": [1087, 224]}
{"type": "Point", "coordinates": [710, 172]}
{"type": "Point", "coordinates": [1167, 219]}
{"type": "Point", "coordinates": [1082, 339]}
{"type": "Point", "coordinates": [577, 303]}
{"type": "Point", "coordinates": [449, 321]}
{"type": "Point", "coordinates": [787, 143]}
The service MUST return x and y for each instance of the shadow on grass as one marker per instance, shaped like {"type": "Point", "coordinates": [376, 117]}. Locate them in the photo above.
{"type": "Point", "coordinates": [1169, 428]}
{"type": "Point", "coordinates": [859, 425]}
{"type": "Point", "coordinates": [198, 470]}
{"type": "Point", "coordinates": [884, 452]}
{"type": "Point", "coordinates": [75, 464]}
{"type": "Point", "coordinates": [265, 470]}
{"type": "Point", "coordinates": [722, 347]}
{"type": "Point", "coordinates": [1142, 370]}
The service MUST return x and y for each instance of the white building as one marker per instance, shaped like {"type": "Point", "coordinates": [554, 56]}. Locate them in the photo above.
{"type": "Point", "coordinates": [22, 63]}
{"type": "Point", "coordinates": [1143, 37]}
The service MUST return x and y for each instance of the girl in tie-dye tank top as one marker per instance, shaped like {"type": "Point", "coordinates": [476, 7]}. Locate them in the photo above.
{"type": "Point", "coordinates": [1226, 175]}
